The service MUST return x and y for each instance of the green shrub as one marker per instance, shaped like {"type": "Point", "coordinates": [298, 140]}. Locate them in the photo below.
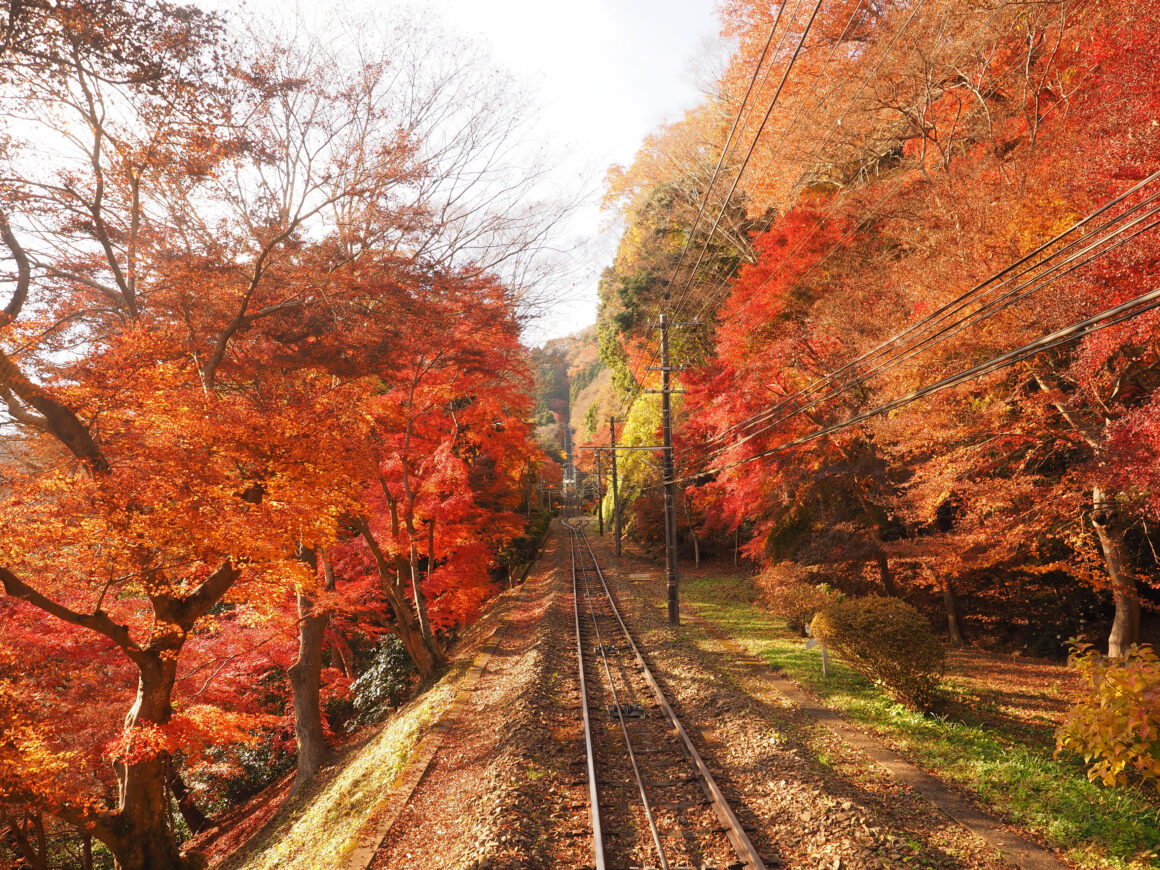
{"type": "Point", "coordinates": [887, 641]}
{"type": "Point", "coordinates": [787, 594]}
{"type": "Point", "coordinates": [1116, 724]}
{"type": "Point", "coordinates": [384, 685]}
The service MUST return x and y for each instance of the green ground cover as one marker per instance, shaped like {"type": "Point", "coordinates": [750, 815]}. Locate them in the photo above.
{"type": "Point", "coordinates": [319, 827]}
{"type": "Point", "coordinates": [1009, 769]}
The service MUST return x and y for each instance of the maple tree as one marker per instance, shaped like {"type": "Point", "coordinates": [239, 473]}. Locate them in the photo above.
{"type": "Point", "coordinates": [914, 150]}
{"type": "Point", "coordinates": [255, 317]}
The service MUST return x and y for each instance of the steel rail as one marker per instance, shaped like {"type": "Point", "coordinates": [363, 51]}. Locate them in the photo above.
{"type": "Point", "coordinates": [645, 802]}
{"type": "Point", "coordinates": [593, 799]}
{"type": "Point", "coordinates": [733, 829]}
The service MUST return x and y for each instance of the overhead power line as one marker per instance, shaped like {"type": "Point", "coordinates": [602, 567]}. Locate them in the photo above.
{"type": "Point", "coordinates": [1011, 272]}
{"type": "Point", "coordinates": [1075, 332]}
{"type": "Point", "coordinates": [719, 288]}
{"type": "Point", "coordinates": [626, 407]}
{"type": "Point", "coordinates": [756, 138]}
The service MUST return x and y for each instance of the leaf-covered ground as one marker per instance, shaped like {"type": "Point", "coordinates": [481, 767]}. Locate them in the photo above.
{"type": "Point", "coordinates": [320, 826]}
{"type": "Point", "coordinates": [994, 740]}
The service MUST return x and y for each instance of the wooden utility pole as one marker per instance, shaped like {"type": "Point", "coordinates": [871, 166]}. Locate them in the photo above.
{"type": "Point", "coordinates": [669, 475]}
{"type": "Point", "coordinates": [615, 492]}
{"type": "Point", "coordinates": [599, 496]}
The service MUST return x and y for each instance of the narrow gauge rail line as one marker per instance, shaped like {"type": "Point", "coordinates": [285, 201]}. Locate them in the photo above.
{"type": "Point", "coordinates": [643, 770]}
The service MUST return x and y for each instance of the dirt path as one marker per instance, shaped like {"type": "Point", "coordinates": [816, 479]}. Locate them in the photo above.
{"type": "Point", "coordinates": [448, 818]}
{"type": "Point", "coordinates": [1010, 845]}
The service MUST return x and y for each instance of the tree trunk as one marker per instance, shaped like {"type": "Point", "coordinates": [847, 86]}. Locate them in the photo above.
{"type": "Point", "coordinates": [954, 629]}
{"type": "Point", "coordinates": [341, 651]}
{"type": "Point", "coordinates": [425, 656]}
{"type": "Point", "coordinates": [407, 630]}
{"type": "Point", "coordinates": [692, 534]}
{"type": "Point", "coordinates": [86, 852]}
{"type": "Point", "coordinates": [884, 572]}
{"type": "Point", "coordinates": [338, 644]}
{"type": "Point", "coordinates": [140, 837]}
{"type": "Point", "coordinates": [1110, 530]}
{"type": "Point", "coordinates": [194, 818]}
{"type": "Point", "coordinates": [306, 676]}
{"type": "Point", "coordinates": [41, 842]}
{"type": "Point", "coordinates": [878, 520]}
{"type": "Point", "coordinates": [1109, 526]}
{"type": "Point", "coordinates": [34, 854]}
{"type": "Point", "coordinates": [305, 685]}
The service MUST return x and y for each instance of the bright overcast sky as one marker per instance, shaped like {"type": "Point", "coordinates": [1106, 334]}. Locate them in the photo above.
{"type": "Point", "coordinates": [605, 73]}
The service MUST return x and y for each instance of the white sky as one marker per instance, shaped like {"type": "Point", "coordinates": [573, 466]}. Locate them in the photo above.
{"type": "Point", "coordinates": [605, 73]}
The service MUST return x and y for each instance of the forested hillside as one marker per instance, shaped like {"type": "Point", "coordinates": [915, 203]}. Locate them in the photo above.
{"type": "Point", "coordinates": [298, 561]}
{"type": "Point", "coordinates": [931, 186]}
{"type": "Point", "coordinates": [572, 388]}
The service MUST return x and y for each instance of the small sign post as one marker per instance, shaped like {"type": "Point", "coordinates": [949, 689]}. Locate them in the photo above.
{"type": "Point", "coordinates": [814, 642]}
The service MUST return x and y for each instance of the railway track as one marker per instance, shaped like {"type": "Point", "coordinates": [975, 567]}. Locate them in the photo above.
{"type": "Point", "coordinates": [652, 801]}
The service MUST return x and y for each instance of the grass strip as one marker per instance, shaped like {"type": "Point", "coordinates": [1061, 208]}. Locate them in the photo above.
{"type": "Point", "coordinates": [319, 827]}
{"type": "Point", "coordinates": [1097, 827]}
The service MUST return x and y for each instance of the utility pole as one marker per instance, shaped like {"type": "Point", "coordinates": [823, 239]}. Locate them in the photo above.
{"type": "Point", "coordinates": [669, 479]}
{"type": "Point", "coordinates": [615, 492]}
{"type": "Point", "coordinates": [599, 496]}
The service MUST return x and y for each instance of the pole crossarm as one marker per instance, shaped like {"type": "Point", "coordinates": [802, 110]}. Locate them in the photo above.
{"type": "Point", "coordinates": [618, 447]}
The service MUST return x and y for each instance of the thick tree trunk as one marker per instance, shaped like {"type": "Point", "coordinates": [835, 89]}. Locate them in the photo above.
{"type": "Point", "coordinates": [884, 573]}
{"type": "Point", "coordinates": [305, 686]}
{"type": "Point", "coordinates": [1110, 530]}
{"type": "Point", "coordinates": [86, 852]}
{"type": "Point", "coordinates": [142, 839]}
{"type": "Point", "coordinates": [950, 604]}
{"type": "Point", "coordinates": [1109, 526]}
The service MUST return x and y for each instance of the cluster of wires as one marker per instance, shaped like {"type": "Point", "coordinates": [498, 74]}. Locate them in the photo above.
{"type": "Point", "coordinates": [721, 282]}
{"type": "Point", "coordinates": [639, 372]}
{"type": "Point", "coordinates": [1115, 223]}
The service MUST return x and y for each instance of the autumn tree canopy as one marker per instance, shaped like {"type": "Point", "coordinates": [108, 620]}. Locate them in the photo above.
{"type": "Point", "coordinates": [917, 188]}
{"type": "Point", "coordinates": [259, 346]}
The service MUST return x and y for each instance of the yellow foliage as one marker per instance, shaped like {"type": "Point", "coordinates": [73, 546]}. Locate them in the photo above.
{"type": "Point", "coordinates": [1116, 724]}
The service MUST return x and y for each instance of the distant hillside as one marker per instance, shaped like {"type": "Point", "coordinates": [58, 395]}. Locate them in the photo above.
{"type": "Point", "coordinates": [573, 389]}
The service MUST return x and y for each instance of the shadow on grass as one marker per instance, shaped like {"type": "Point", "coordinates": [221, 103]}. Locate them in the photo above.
{"type": "Point", "coordinates": [991, 755]}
